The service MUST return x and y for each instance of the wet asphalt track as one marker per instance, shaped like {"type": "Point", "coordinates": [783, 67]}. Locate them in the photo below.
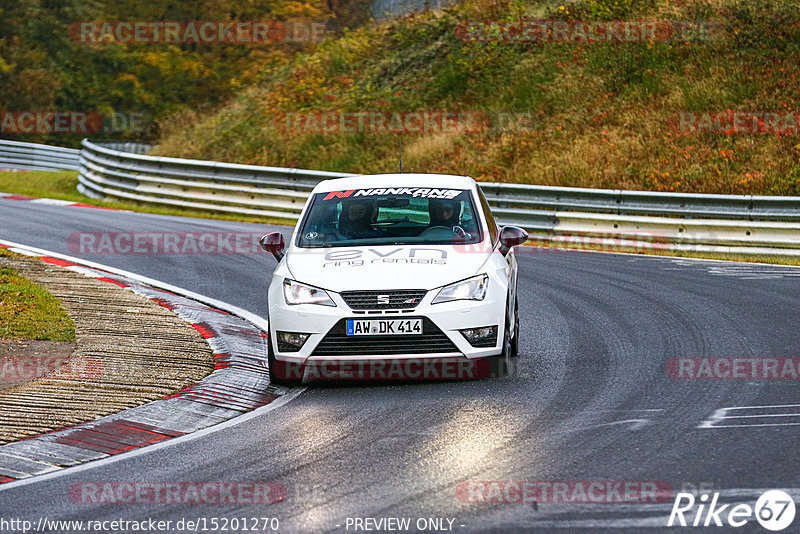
{"type": "Point", "coordinates": [588, 400]}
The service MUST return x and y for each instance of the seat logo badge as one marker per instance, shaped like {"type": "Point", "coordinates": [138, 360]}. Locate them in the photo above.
{"type": "Point", "coordinates": [383, 299]}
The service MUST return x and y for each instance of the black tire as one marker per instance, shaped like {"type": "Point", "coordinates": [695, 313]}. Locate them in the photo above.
{"type": "Point", "coordinates": [500, 364]}
{"type": "Point", "coordinates": [278, 371]}
{"type": "Point", "coordinates": [515, 340]}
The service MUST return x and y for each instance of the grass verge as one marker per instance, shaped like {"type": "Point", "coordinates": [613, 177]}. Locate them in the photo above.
{"type": "Point", "coordinates": [562, 112]}
{"type": "Point", "coordinates": [28, 311]}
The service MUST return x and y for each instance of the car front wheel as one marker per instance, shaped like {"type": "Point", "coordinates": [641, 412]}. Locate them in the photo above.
{"type": "Point", "coordinates": [500, 364]}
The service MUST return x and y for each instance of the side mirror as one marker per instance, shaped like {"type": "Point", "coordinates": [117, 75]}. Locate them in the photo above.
{"type": "Point", "coordinates": [274, 244]}
{"type": "Point", "coordinates": [510, 237]}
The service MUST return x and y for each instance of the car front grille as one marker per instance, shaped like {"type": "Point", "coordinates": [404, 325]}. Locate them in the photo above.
{"type": "Point", "coordinates": [392, 299]}
{"type": "Point", "coordinates": [337, 343]}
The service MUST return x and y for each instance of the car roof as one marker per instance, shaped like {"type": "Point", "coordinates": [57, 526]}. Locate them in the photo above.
{"type": "Point", "coordinates": [395, 180]}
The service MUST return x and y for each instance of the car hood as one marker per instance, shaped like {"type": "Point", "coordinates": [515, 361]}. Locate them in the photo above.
{"type": "Point", "coordinates": [384, 267]}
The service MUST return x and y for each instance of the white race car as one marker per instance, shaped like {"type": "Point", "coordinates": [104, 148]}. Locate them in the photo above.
{"type": "Point", "coordinates": [399, 267]}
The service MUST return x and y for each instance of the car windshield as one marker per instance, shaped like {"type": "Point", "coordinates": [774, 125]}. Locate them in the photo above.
{"type": "Point", "coordinates": [390, 216]}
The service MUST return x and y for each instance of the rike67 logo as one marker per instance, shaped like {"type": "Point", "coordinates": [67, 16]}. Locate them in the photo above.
{"type": "Point", "coordinates": [774, 510]}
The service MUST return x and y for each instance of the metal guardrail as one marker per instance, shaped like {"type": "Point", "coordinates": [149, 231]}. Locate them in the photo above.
{"type": "Point", "coordinates": [208, 185]}
{"type": "Point", "coordinates": [620, 202]}
{"type": "Point", "coordinates": [36, 157]}
{"type": "Point", "coordinates": [677, 221]}
{"type": "Point", "coordinates": [725, 223]}
{"type": "Point", "coordinates": [126, 146]}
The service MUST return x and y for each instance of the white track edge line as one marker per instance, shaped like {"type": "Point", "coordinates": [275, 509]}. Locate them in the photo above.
{"type": "Point", "coordinates": [260, 322]}
{"type": "Point", "coordinates": [92, 464]}
{"type": "Point", "coordinates": [661, 256]}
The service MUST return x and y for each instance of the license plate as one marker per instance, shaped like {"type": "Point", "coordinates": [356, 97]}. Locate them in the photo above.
{"type": "Point", "coordinates": [383, 327]}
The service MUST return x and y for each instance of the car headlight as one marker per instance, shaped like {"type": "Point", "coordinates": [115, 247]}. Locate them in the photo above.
{"type": "Point", "coordinates": [297, 293]}
{"type": "Point", "coordinates": [470, 289]}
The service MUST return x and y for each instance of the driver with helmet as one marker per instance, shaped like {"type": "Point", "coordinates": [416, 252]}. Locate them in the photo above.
{"type": "Point", "coordinates": [356, 219]}
{"type": "Point", "coordinates": [445, 213]}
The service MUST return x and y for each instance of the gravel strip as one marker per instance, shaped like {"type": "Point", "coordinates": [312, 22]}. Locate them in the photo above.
{"type": "Point", "coordinates": [129, 351]}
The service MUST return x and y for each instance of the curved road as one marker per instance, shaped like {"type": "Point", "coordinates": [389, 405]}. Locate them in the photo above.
{"type": "Point", "coordinates": [589, 399]}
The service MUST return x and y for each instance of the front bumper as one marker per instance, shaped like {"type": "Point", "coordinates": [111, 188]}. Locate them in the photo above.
{"type": "Point", "coordinates": [447, 317]}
